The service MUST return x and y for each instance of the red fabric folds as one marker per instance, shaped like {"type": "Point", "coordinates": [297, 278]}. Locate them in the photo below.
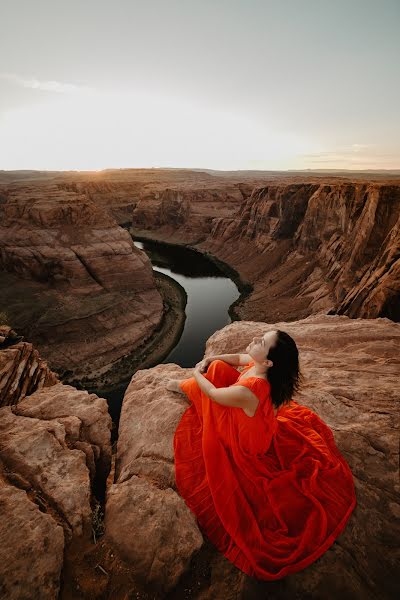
{"type": "Point", "coordinates": [271, 493]}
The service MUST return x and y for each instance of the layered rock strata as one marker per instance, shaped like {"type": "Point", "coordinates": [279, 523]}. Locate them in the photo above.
{"type": "Point", "coordinates": [22, 371]}
{"type": "Point", "coordinates": [72, 280]}
{"type": "Point", "coordinates": [351, 369]}
{"type": "Point", "coordinates": [304, 247]}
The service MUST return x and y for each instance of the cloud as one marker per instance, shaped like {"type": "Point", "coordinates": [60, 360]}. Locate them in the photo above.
{"type": "Point", "coordinates": [356, 155]}
{"type": "Point", "coordinates": [46, 86]}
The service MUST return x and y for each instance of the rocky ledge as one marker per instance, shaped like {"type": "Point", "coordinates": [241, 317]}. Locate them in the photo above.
{"type": "Point", "coordinates": [55, 452]}
{"type": "Point", "coordinates": [55, 456]}
{"type": "Point", "coordinates": [352, 381]}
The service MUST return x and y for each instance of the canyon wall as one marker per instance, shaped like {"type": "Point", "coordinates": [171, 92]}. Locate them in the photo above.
{"type": "Point", "coordinates": [304, 247]}
{"type": "Point", "coordinates": [72, 280]}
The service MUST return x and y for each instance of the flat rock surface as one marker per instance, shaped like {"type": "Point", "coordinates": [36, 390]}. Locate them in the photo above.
{"type": "Point", "coordinates": [351, 369]}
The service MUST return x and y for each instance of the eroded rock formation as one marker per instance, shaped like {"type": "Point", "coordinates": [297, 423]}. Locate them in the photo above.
{"type": "Point", "coordinates": [72, 280]}
{"type": "Point", "coordinates": [304, 247]}
{"type": "Point", "coordinates": [22, 371]}
{"type": "Point", "coordinates": [31, 547]}
{"type": "Point", "coordinates": [75, 284]}
{"type": "Point", "coordinates": [351, 367]}
{"type": "Point", "coordinates": [55, 449]}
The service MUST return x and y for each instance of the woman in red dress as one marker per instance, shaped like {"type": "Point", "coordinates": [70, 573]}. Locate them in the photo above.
{"type": "Point", "coordinates": [261, 472]}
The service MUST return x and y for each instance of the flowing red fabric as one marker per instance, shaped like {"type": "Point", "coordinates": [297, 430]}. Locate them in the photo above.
{"type": "Point", "coordinates": [271, 493]}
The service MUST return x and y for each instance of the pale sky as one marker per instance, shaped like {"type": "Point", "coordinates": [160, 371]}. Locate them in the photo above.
{"type": "Point", "coordinates": [218, 84]}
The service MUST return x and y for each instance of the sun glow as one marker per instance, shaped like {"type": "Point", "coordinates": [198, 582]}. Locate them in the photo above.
{"type": "Point", "coordinates": [88, 130]}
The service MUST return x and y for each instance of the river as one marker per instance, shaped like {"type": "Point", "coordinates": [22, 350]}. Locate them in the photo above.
{"type": "Point", "coordinates": [209, 295]}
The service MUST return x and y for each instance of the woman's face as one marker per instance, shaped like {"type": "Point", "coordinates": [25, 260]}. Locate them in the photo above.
{"type": "Point", "coordinates": [259, 347]}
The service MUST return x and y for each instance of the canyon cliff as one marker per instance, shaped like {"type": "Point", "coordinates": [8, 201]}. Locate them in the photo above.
{"type": "Point", "coordinates": [55, 457]}
{"type": "Point", "coordinates": [303, 247]}
{"type": "Point", "coordinates": [72, 280]}
{"type": "Point", "coordinates": [75, 285]}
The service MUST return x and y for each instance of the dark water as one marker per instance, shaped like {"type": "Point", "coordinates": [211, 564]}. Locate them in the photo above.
{"type": "Point", "coordinates": [210, 293]}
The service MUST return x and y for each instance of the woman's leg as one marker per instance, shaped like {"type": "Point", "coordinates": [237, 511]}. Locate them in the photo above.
{"type": "Point", "coordinates": [221, 374]}
{"type": "Point", "coordinates": [173, 386]}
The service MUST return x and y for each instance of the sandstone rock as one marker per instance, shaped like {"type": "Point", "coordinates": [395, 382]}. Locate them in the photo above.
{"type": "Point", "coordinates": [153, 531]}
{"type": "Point", "coordinates": [38, 452]}
{"type": "Point", "coordinates": [74, 283]}
{"type": "Point", "coordinates": [314, 245]}
{"type": "Point", "coordinates": [31, 548]}
{"type": "Point", "coordinates": [147, 522]}
{"type": "Point", "coordinates": [22, 372]}
{"type": "Point", "coordinates": [55, 444]}
{"type": "Point", "coordinates": [85, 417]}
{"type": "Point", "coordinates": [352, 372]}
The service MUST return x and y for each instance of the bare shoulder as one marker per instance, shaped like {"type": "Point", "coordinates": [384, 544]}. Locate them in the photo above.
{"type": "Point", "coordinates": [236, 395]}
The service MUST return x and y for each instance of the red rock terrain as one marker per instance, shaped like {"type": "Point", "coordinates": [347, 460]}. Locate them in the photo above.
{"type": "Point", "coordinates": [55, 446]}
{"type": "Point", "coordinates": [55, 454]}
{"type": "Point", "coordinates": [303, 247]}
{"type": "Point", "coordinates": [72, 280]}
{"type": "Point", "coordinates": [351, 369]}
{"type": "Point", "coordinates": [55, 450]}
{"type": "Point", "coordinates": [74, 284]}
{"type": "Point", "coordinates": [22, 371]}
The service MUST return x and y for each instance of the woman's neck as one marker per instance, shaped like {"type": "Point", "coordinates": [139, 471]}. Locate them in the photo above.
{"type": "Point", "coordinates": [260, 370]}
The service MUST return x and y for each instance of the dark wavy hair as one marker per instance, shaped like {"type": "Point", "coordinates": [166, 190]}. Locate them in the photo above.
{"type": "Point", "coordinates": [284, 376]}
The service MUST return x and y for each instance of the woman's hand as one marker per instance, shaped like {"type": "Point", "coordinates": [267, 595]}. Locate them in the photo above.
{"type": "Point", "coordinates": [203, 364]}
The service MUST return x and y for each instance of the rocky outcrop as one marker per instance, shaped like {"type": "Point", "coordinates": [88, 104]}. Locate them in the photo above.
{"type": "Point", "coordinates": [165, 531]}
{"type": "Point", "coordinates": [74, 283]}
{"type": "Point", "coordinates": [191, 209]}
{"type": "Point", "coordinates": [22, 371]}
{"type": "Point", "coordinates": [351, 369]}
{"type": "Point", "coordinates": [85, 418]}
{"type": "Point", "coordinates": [55, 450]}
{"type": "Point", "coordinates": [304, 247]}
{"type": "Point", "coordinates": [27, 531]}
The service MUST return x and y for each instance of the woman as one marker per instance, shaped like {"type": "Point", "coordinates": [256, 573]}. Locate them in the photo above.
{"type": "Point", "coordinates": [261, 472]}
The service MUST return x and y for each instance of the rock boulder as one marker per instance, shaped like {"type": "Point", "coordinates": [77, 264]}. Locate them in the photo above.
{"type": "Point", "coordinates": [351, 369]}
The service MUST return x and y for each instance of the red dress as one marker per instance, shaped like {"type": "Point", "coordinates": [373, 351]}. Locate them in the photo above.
{"type": "Point", "coordinates": [271, 493]}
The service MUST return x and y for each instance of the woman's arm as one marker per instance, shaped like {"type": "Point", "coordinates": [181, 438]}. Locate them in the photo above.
{"type": "Point", "coordinates": [234, 396]}
{"type": "Point", "coordinates": [234, 360]}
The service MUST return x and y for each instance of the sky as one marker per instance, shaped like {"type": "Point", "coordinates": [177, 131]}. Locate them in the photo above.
{"type": "Point", "coordinates": [217, 84]}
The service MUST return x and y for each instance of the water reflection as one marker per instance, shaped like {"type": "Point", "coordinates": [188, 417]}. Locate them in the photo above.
{"type": "Point", "coordinates": [210, 293]}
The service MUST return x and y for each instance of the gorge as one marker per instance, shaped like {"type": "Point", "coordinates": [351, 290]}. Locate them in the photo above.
{"type": "Point", "coordinates": [318, 256]}
{"type": "Point", "coordinates": [76, 286]}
